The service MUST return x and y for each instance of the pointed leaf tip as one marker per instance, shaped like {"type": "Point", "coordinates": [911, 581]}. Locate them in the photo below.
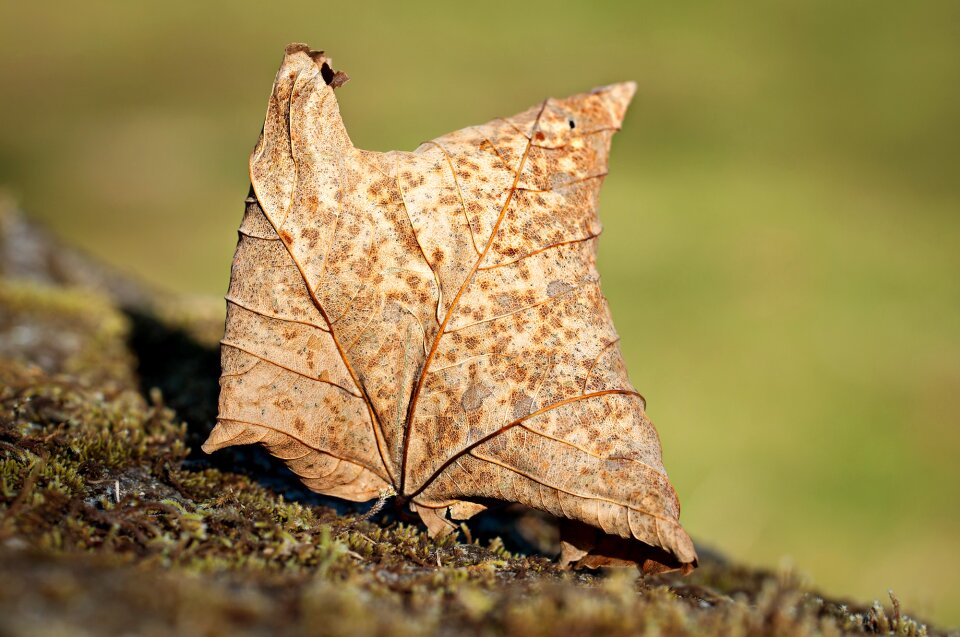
{"type": "Point", "coordinates": [217, 439]}
{"type": "Point", "coordinates": [296, 47]}
{"type": "Point", "coordinates": [617, 98]}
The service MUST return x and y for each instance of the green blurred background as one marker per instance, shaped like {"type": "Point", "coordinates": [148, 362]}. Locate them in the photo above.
{"type": "Point", "coordinates": [782, 252]}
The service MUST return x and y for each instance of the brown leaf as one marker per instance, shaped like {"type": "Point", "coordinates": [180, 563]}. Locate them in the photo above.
{"type": "Point", "coordinates": [432, 322]}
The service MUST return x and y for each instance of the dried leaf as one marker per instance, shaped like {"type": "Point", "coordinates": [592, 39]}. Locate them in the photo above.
{"type": "Point", "coordinates": [432, 322]}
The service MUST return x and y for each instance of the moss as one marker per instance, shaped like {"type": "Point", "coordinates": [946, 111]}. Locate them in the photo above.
{"type": "Point", "coordinates": [110, 524]}
{"type": "Point", "coordinates": [73, 331]}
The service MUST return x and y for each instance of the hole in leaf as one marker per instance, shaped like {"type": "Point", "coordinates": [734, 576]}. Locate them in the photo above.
{"type": "Point", "coordinates": [327, 73]}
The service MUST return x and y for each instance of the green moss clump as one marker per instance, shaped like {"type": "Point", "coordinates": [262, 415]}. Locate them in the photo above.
{"type": "Point", "coordinates": [68, 330]}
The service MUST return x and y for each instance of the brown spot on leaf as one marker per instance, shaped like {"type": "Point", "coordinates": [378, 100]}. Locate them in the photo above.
{"type": "Point", "coordinates": [473, 397]}
{"type": "Point", "coordinates": [556, 288]}
{"type": "Point", "coordinates": [522, 407]}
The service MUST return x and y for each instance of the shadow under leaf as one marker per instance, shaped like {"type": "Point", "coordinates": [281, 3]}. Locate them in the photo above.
{"type": "Point", "coordinates": [187, 374]}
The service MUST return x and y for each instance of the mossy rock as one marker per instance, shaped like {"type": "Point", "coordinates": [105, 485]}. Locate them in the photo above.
{"type": "Point", "coordinates": [110, 524]}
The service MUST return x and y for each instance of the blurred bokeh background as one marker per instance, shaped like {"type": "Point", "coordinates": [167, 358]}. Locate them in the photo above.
{"type": "Point", "coordinates": [782, 251]}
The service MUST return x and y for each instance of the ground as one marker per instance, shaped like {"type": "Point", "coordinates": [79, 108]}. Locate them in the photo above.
{"type": "Point", "coordinates": [112, 521]}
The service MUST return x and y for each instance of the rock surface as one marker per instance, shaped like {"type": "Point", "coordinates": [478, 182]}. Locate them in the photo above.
{"type": "Point", "coordinates": [111, 522]}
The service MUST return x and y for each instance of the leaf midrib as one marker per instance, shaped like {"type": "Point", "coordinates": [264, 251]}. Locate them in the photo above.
{"type": "Point", "coordinates": [411, 411]}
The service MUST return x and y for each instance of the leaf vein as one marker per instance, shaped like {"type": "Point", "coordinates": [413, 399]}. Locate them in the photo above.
{"type": "Point", "coordinates": [284, 367]}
